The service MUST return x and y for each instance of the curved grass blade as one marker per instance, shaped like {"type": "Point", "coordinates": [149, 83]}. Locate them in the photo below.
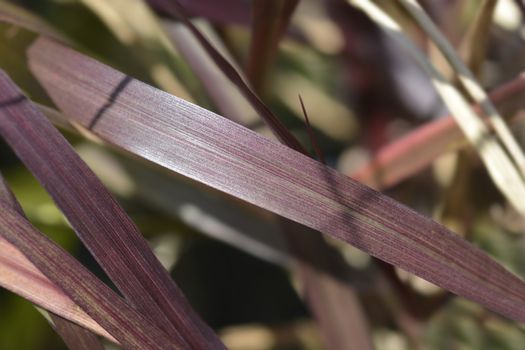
{"type": "Point", "coordinates": [203, 146]}
{"type": "Point", "coordinates": [74, 336]}
{"type": "Point", "coordinates": [133, 330]}
{"type": "Point", "coordinates": [99, 221]}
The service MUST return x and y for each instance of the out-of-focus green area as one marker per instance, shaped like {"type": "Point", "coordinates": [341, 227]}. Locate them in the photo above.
{"type": "Point", "coordinates": [361, 92]}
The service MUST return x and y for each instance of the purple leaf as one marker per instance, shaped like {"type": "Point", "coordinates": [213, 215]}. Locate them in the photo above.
{"type": "Point", "coordinates": [224, 11]}
{"type": "Point", "coordinates": [21, 277]}
{"type": "Point", "coordinates": [173, 8]}
{"type": "Point", "coordinates": [132, 329]}
{"type": "Point", "coordinates": [98, 219]}
{"type": "Point", "coordinates": [76, 337]}
{"type": "Point", "coordinates": [208, 148]}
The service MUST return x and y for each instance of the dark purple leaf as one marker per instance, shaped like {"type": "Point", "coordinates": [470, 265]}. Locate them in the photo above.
{"type": "Point", "coordinates": [98, 219]}
{"type": "Point", "coordinates": [76, 337]}
{"type": "Point", "coordinates": [322, 286]}
{"type": "Point", "coordinates": [132, 329]}
{"type": "Point", "coordinates": [224, 12]}
{"type": "Point", "coordinates": [21, 277]}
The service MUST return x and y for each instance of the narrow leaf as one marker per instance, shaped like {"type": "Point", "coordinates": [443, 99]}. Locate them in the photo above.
{"type": "Point", "coordinates": [269, 21]}
{"type": "Point", "coordinates": [311, 133]}
{"type": "Point", "coordinates": [225, 96]}
{"type": "Point", "coordinates": [468, 81]}
{"type": "Point", "coordinates": [416, 150]}
{"type": "Point", "coordinates": [229, 12]}
{"type": "Point", "coordinates": [21, 277]}
{"type": "Point", "coordinates": [474, 45]}
{"type": "Point", "coordinates": [499, 165]}
{"type": "Point", "coordinates": [74, 336]}
{"type": "Point", "coordinates": [173, 8]}
{"type": "Point", "coordinates": [132, 329]}
{"type": "Point", "coordinates": [98, 219]}
{"type": "Point", "coordinates": [201, 145]}
{"type": "Point", "coordinates": [10, 13]}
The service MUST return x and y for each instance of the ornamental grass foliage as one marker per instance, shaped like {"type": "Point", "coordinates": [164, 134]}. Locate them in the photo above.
{"type": "Point", "coordinates": [262, 174]}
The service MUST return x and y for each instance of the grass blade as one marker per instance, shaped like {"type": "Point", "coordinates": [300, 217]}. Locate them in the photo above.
{"type": "Point", "coordinates": [176, 10]}
{"type": "Point", "coordinates": [74, 336]}
{"type": "Point", "coordinates": [21, 277]}
{"type": "Point", "coordinates": [474, 45]}
{"type": "Point", "coordinates": [468, 81]}
{"type": "Point", "coordinates": [500, 167]}
{"type": "Point", "coordinates": [322, 285]}
{"type": "Point", "coordinates": [132, 329]}
{"type": "Point", "coordinates": [413, 152]}
{"type": "Point", "coordinates": [311, 134]}
{"type": "Point", "coordinates": [269, 21]}
{"type": "Point", "coordinates": [210, 149]}
{"type": "Point", "coordinates": [228, 100]}
{"type": "Point", "coordinates": [10, 13]}
{"type": "Point", "coordinates": [100, 222]}
{"type": "Point", "coordinates": [235, 12]}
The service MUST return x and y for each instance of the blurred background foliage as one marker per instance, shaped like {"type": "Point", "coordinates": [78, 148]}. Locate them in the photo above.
{"type": "Point", "coordinates": [361, 92]}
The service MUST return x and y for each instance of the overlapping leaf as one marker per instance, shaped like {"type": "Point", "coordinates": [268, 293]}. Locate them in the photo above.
{"type": "Point", "coordinates": [175, 9]}
{"type": "Point", "coordinates": [226, 11]}
{"type": "Point", "coordinates": [20, 276]}
{"type": "Point", "coordinates": [208, 148]}
{"type": "Point", "coordinates": [118, 317]}
{"type": "Point", "coordinates": [100, 222]}
{"type": "Point", "coordinates": [76, 337]}
{"type": "Point", "coordinates": [128, 326]}
{"type": "Point", "coordinates": [506, 174]}
{"type": "Point", "coordinates": [413, 152]}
